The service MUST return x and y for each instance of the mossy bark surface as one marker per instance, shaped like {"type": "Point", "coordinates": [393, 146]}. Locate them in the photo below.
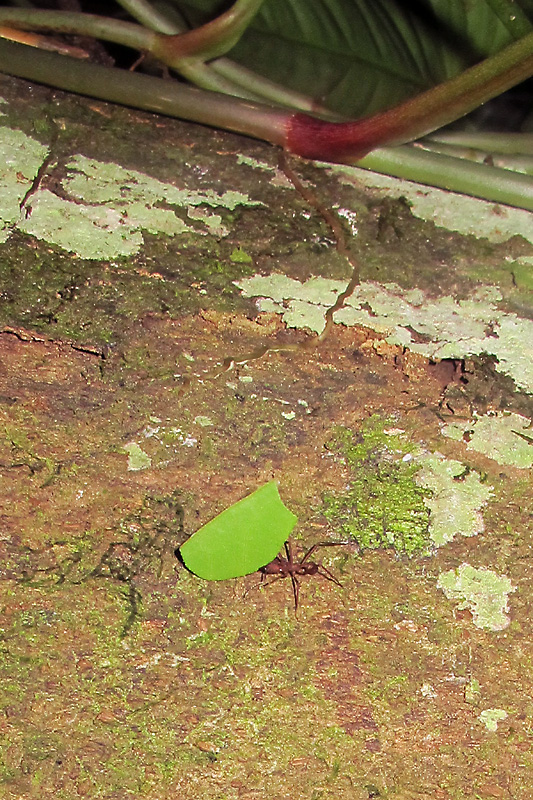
{"type": "Point", "coordinates": [145, 387]}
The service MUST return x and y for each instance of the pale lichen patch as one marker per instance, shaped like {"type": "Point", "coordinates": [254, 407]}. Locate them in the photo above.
{"type": "Point", "coordinates": [302, 314]}
{"type": "Point", "coordinates": [213, 222]}
{"type": "Point", "coordinates": [20, 159]}
{"type": "Point", "coordinates": [491, 716]}
{"type": "Point", "coordinates": [456, 212]}
{"type": "Point", "coordinates": [506, 438]}
{"type": "Point", "coordinates": [437, 328]}
{"type": "Point", "coordinates": [482, 591]}
{"type": "Point", "coordinates": [89, 231]}
{"type": "Point", "coordinates": [103, 208]}
{"type": "Point", "coordinates": [103, 182]}
{"type": "Point", "coordinates": [203, 421]}
{"type": "Point", "coordinates": [457, 497]}
{"type": "Point", "coordinates": [279, 178]}
{"type": "Point", "coordinates": [137, 458]}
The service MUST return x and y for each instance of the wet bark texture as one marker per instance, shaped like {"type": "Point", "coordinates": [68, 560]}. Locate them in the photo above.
{"type": "Point", "coordinates": [143, 390]}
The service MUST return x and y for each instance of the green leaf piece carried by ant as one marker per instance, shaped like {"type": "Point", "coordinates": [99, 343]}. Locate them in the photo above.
{"type": "Point", "coordinates": [241, 539]}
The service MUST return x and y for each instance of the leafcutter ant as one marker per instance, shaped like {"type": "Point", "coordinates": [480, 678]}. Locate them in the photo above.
{"type": "Point", "coordinates": [287, 567]}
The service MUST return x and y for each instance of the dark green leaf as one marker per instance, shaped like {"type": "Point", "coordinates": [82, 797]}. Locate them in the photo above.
{"type": "Point", "coordinates": [360, 56]}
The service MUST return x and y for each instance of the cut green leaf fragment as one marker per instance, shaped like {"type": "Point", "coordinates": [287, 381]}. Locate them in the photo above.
{"type": "Point", "coordinates": [241, 539]}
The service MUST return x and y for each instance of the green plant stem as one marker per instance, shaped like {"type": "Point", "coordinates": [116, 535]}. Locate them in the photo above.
{"type": "Point", "coordinates": [111, 30]}
{"type": "Point", "coordinates": [125, 33]}
{"type": "Point", "coordinates": [512, 162]}
{"type": "Point", "coordinates": [144, 91]}
{"type": "Point", "coordinates": [261, 121]}
{"type": "Point", "coordinates": [211, 40]}
{"type": "Point", "coordinates": [152, 18]}
{"type": "Point", "coordinates": [205, 77]}
{"type": "Point", "coordinates": [240, 81]}
{"type": "Point", "coordinates": [424, 113]}
{"type": "Point", "coordinates": [222, 75]}
{"type": "Point", "coordinates": [207, 42]}
{"type": "Point", "coordinates": [519, 143]}
{"type": "Point", "coordinates": [455, 174]}
{"type": "Point", "coordinates": [265, 90]}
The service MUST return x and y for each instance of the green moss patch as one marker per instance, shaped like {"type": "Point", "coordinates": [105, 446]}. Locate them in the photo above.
{"type": "Point", "coordinates": [383, 506]}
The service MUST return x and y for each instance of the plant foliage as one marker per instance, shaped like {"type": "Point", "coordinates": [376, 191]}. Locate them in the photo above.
{"type": "Point", "coordinates": [358, 57]}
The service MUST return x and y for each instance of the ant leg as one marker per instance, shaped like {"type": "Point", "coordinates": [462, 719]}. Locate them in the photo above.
{"type": "Point", "coordinates": [288, 551]}
{"type": "Point", "coordinates": [296, 592]}
{"type": "Point", "coordinates": [325, 544]}
{"type": "Point", "coordinates": [263, 585]}
{"type": "Point", "coordinates": [325, 573]}
{"type": "Point", "coordinates": [309, 552]}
